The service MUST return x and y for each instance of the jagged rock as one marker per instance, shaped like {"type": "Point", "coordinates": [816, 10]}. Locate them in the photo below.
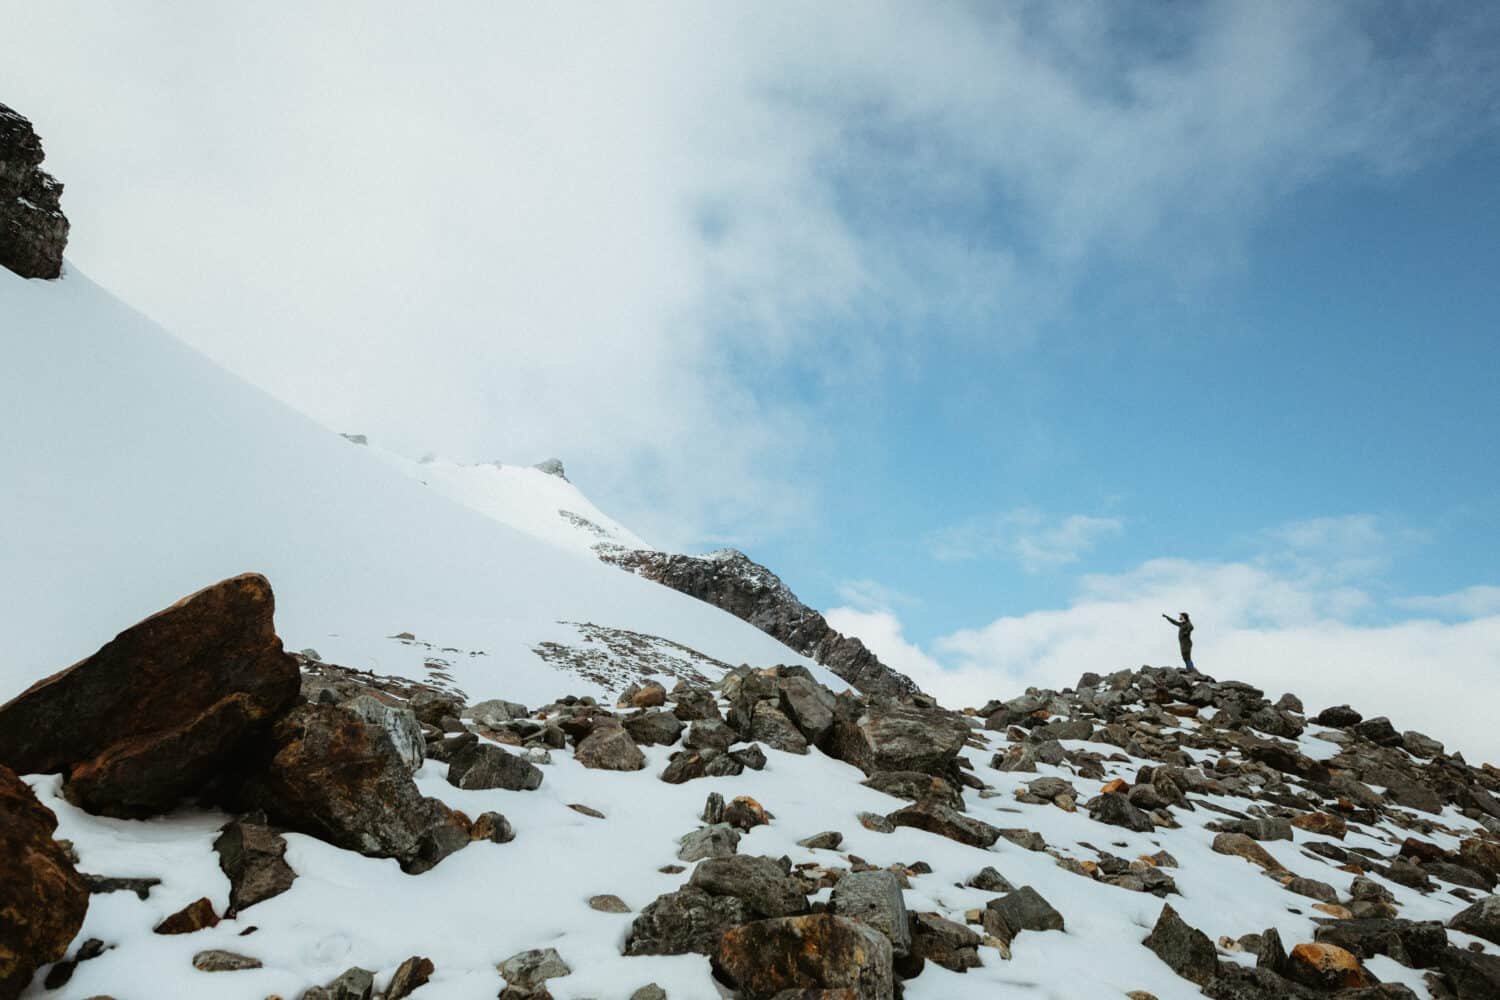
{"type": "Point", "coordinates": [1417, 944]}
{"type": "Point", "coordinates": [1482, 919]}
{"type": "Point", "coordinates": [609, 748]}
{"type": "Point", "coordinates": [33, 229]}
{"type": "Point", "coordinates": [1326, 967]}
{"type": "Point", "coordinates": [819, 951]}
{"type": "Point", "coordinates": [1326, 824]}
{"type": "Point", "coordinates": [1185, 949]}
{"type": "Point", "coordinates": [195, 916]}
{"type": "Point", "coordinates": [893, 736]}
{"type": "Point", "coordinates": [769, 724]}
{"type": "Point", "coordinates": [876, 823]}
{"type": "Point", "coordinates": [409, 975]}
{"type": "Point", "coordinates": [495, 713]}
{"type": "Point", "coordinates": [608, 903]}
{"type": "Point", "coordinates": [331, 776]}
{"type": "Point", "coordinates": [493, 827]}
{"type": "Point", "coordinates": [688, 920]}
{"type": "Point", "coordinates": [915, 786]}
{"type": "Point", "coordinates": [161, 709]}
{"type": "Point", "coordinates": [217, 960]}
{"type": "Point", "coordinates": [949, 944]}
{"type": "Point", "coordinates": [529, 970]}
{"type": "Point", "coordinates": [484, 765]}
{"type": "Point", "coordinates": [105, 884]}
{"type": "Point", "coordinates": [252, 857]}
{"type": "Point", "coordinates": [874, 898]}
{"type": "Point", "coordinates": [1312, 889]}
{"type": "Point", "coordinates": [1021, 910]}
{"type": "Point", "coordinates": [710, 734]}
{"type": "Point", "coordinates": [809, 705]}
{"type": "Point", "coordinates": [731, 581]}
{"type": "Point", "coordinates": [650, 991]}
{"type": "Point", "coordinates": [1115, 809]}
{"type": "Point", "coordinates": [934, 817]}
{"type": "Point", "coordinates": [432, 707]}
{"type": "Point", "coordinates": [654, 728]}
{"type": "Point", "coordinates": [400, 724]}
{"type": "Point", "coordinates": [989, 880]}
{"type": "Point", "coordinates": [42, 896]}
{"type": "Point", "coordinates": [694, 704]}
{"type": "Point", "coordinates": [1338, 716]}
{"type": "Point", "coordinates": [648, 695]}
{"type": "Point", "coordinates": [761, 882]}
{"type": "Point", "coordinates": [1470, 975]}
{"type": "Point", "coordinates": [717, 841]}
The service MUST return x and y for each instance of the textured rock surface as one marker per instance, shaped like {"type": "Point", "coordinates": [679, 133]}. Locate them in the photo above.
{"type": "Point", "coordinates": [730, 580]}
{"type": "Point", "coordinates": [820, 951]}
{"type": "Point", "coordinates": [33, 229]}
{"type": "Point", "coordinates": [161, 708]}
{"type": "Point", "coordinates": [874, 898]}
{"type": "Point", "coordinates": [42, 897]}
{"type": "Point", "coordinates": [761, 883]}
{"type": "Point", "coordinates": [485, 765]}
{"type": "Point", "coordinates": [898, 736]}
{"type": "Point", "coordinates": [688, 920]}
{"type": "Point", "coordinates": [1187, 950]}
{"type": "Point", "coordinates": [334, 777]}
{"type": "Point", "coordinates": [253, 858]}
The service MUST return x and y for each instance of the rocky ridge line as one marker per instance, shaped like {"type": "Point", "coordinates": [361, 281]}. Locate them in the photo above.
{"type": "Point", "coordinates": [33, 229]}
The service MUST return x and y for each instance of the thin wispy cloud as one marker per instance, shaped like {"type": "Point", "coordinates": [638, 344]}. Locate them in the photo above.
{"type": "Point", "coordinates": [1034, 539]}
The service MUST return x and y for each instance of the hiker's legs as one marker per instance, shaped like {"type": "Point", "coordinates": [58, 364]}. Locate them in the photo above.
{"type": "Point", "coordinates": [1187, 657]}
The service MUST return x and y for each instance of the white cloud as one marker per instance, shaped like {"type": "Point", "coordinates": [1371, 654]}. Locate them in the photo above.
{"type": "Point", "coordinates": [608, 233]}
{"type": "Point", "coordinates": [1269, 627]}
{"type": "Point", "coordinates": [871, 595]}
{"type": "Point", "coordinates": [1036, 540]}
{"type": "Point", "coordinates": [1471, 602]}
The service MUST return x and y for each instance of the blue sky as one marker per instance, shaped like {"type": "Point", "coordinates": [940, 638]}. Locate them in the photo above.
{"type": "Point", "coordinates": [996, 329]}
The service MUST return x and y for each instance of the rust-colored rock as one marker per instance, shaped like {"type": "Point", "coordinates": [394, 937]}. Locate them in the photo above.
{"type": "Point", "coordinates": [42, 897]}
{"type": "Point", "coordinates": [819, 951]}
{"type": "Point", "coordinates": [1114, 786]}
{"type": "Point", "coordinates": [1327, 967]}
{"type": "Point", "coordinates": [195, 916]}
{"type": "Point", "coordinates": [1326, 824]}
{"type": "Point", "coordinates": [158, 709]}
{"type": "Point", "coordinates": [1240, 845]}
{"type": "Point", "coordinates": [745, 813]}
{"type": "Point", "coordinates": [332, 776]}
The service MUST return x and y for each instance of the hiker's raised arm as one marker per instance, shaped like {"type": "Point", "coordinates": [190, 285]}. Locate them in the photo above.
{"type": "Point", "coordinates": [1171, 619]}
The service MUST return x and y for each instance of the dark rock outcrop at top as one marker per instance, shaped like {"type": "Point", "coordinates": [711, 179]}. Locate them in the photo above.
{"type": "Point", "coordinates": [33, 229]}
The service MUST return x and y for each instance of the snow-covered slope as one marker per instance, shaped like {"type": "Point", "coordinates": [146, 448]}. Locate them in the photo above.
{"type": "Point", "coordinates": [539, 503]}
{"type": "Point", "coordinates": [137, 471]}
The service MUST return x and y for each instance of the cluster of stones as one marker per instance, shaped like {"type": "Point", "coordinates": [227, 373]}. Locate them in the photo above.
{"type": "Point", "coordinates": [1378, 775]}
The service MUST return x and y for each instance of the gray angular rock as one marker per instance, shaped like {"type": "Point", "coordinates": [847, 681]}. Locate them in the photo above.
{"type": "Point", "coordinates": [951, 945]}
{"type": "Point", "coordinates": [654, 727]}
{"type": "Point", "coordinates": [1021, 910]}
{"type": "Point", "coordinates": [484, 765]}
{"type": "Point", "coordinates": [33, 229]}
{"type": "Point", "coordinates": [399, 724]}
{"type": "Point", "coordinates": [761, 882]}
{"type": "Point", "coordinates": [937, 818]}
{"type": "Point", "coordinates": [1482, 919]}
{"type": "Point", "coordinates": [1185, 949]}
{"type": "Point", "coordinates": [915, 786]}
{"type": "Point", "coordinates": [874, 898]}
{"type": "Point", "coordinates": [809, 705]}
{"type": "Point", "coordinates": [1115, 809]}
{"type": "Point", "coordinates": [528, 970]}
{"type": "Point", "coordinates": [252, 857]}
{"type": "Point", "coordinates": [717, 841]}
{"type": "Point", "coordinates": [896, 736]}
{"type": "Point", "coordinates": [217, 960]}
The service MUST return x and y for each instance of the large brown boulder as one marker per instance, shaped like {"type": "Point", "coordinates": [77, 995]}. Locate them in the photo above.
{"type": "Point", "coordinates": [819, 951]}
{"type": "Point", "coordinates": [42, 897]}
{"type": "Point", "coordinates": [331, 775]}
{"type": "Point", "coordinates": [160, 708]}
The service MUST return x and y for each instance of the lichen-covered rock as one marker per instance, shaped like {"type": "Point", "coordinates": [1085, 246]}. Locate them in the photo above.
{"type": "Point", "coordinates": [934, 817]}
{"type": "Point", "coordinates": [819, 951]}
{"type": "Point", "coordinates": [654, 728]}
{"type": "Point", "coordinates": [329, 775]}
{"type": "Point", "coordinates": [915, 786]}
{"type": "Point", "coordinates": [398, 723]}
{"type": "Point", "coordinates": [718, 840]}
{"type": "Point", "coordinates": [33, 229]}
{"type": "Point", "coordinates": [688, 920]}
{"type": "Point", "coordinates": [42, 897]}
{"type": "Point", "coordinates": [482, 765]}
{"type": "Point", "coordinates": [761, 882]}
{"type": "Point", "coordinates": [610, 748]}
{"type": "Point", "coordinates": [1327, 967]}
{"type": "Point", "coordinates": [896, 736]}
{"type": "Point", "coordinates": [161, 709]}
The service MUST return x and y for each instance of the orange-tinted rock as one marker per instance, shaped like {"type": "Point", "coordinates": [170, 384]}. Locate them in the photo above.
{"type": "Point", "coordinates": [819, 951]}
{"type": "Point", "coordinates": [1117, 785]}
{"type": "Point", "coordinates": [193, 917]}
{"type": "Point", "coordinates": [1240, 845]}
{"type": "Point", "coordinates": [42, 897]}
{"type": "Point", "coordinates": [1327, 967]}
{"type": "Point", "coordinates": [745, 813]}
{"type": "Point", "coordinates": [162, 706]}
{"type": "Point", "coordinates": [1324, 823]}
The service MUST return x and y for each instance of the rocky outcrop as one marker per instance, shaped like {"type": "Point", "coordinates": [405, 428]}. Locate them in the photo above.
{"type": "Point", "coordinates": [33, 229]}
{"type": "Point", "coordinates": [42, 897]}
{"type": "Point", "coordinates": [253, 858]}
{"type": "Point", "coordinates": [731, 581]}
{"type": "Point", "coordinates": [158, 711]}
{"type": "Point", "coordinates": [330, 775]}
{"type": "Point", "coordinates": [816, 952]}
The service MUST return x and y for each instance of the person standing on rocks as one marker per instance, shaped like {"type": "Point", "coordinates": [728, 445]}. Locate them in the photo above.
{"type": "Point", "coordinates": [1184, 638]}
